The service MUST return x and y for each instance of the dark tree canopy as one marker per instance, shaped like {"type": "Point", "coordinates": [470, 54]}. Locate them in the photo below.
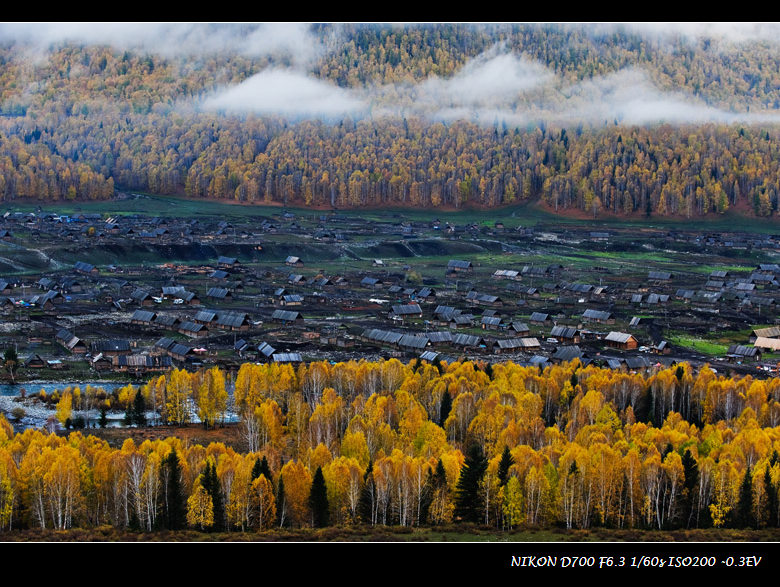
{"type": "Point", "coordinates": [318, 501]}
{"type": "Point", "coordinates": [468, 498]}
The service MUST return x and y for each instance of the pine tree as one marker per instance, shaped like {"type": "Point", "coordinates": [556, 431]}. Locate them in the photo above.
{"type": "Point", "coordinates": [318, 501]}
{"type": "Point", "coordinates": [367, 502]}
{"type": "Point", "coordinates": [690, 489]}
{"type": "Point", "coordinates": [743, 515]}
{"type": "Point", "coordinates": [507, 460]}
{"type": "Point", "coordinates": [212, 486]}
{"type": "Point", "coordinates": [468, 499]}
{"type": "Point", "coordinates": [771, 498]}
{"type": "Point", "coordinates": [261, 468]}
{"type": "Point", "coordinates": [139, 409]}
{"type": "Point", "coordinates": [489, 370]}
{"type": "Point", "coordinates": [174, 514]}
{"type": "Point", "coordinates": [444, 407]}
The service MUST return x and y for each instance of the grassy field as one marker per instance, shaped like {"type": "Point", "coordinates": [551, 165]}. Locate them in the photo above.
{"type": "Point", "coordinates": [707, 347]}
{"type": "Point", "coordinates": [526, 214]}
{"type": "Point", "coordinates": [447, 534]}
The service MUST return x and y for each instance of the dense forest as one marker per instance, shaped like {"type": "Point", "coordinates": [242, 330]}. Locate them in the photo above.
{"type": "Point", "coordinates": [87, 119]}
{"type": "Point", "coordinates": [387, 443]}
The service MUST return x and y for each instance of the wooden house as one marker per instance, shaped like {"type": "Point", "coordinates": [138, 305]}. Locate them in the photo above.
{"type": "Point", "coordinates": [405, 311]}
{"type": "Point", "coordinates": [142, 318]}
{"type": "Point", "coordinates": [234, 321]}
{"type": "Point", "coordinates": [71, 342]}
{"type": "Point", "coordinates": [598, 316]}
{"type": "Point", "coordinates": [621, 340]}
{"type": "Point", "coordinates": [566, 334]}
{"type": "Point", "coordinates": [287, 317]}
{"type": "Point", "coordinates": [35, 362]}
{"type": "Point", "coordinates": [738, 352]}
{"type": "Point", "coordinates": [192, 329]}
{"type": "Point", "coordinates": [457, 266]}
{"type": "Point", "coordinates": [111, 347]}
{"type": "Point", "coordinates": [219, 293]}
{"type": "Point", "coordinates": [227, 262]}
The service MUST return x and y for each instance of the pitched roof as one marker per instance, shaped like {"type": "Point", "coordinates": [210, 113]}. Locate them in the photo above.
{"type": "Point", "coordinates": [767, 343]}
{"type": "Point", "coordinates": [143, 316]}
{"type": "Point", "coordinates": [440, 336]}
{"type": "Point", "coordinates": [620, 337]}
{"type": "Point", "coordinates": [102, 346]}
{"type": "Point", "coordinates": [266, 349]}
{"type": "Point", "coordinates": [286, 315]}
{"type": "Point", "coordinates": [518, 343]}
{"type": "Point", "coordinates": [567, 353]}
{"type": "Point", "coordinates": [564, 331]}
{"type": "Point", "coordinates": [191, 327]}
{"type": "Point", "coordinates": [466, 340]}
{"type": "Point", "coordinates": [743, 351]}
{"type": "Point", "coordinates": [232, 319]}
{"type": "Point", "coordinates": [416, 341]}
{"type": "Point", "coordinates": [458, 264]}
{"type": "Point", "coordinates": [407, 310]}
{"type": "Point", "coordinates": [287, 358]}
{"type": "Point", "coordinates": [205, 316]}
{"type": "Point", "coordinates": [217, 292]}
{"type": "Point", "coordinates": [383, 336]}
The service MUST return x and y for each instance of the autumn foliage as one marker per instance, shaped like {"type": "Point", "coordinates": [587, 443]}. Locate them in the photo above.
{"type": "Point", "coordinates": [569, 445]}
{"type": "Point", "coordinates": [87, 120]}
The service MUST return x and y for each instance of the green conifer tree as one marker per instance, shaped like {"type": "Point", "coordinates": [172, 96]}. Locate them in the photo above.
{"type": "Point", "coordinates": [318, 501]}
{"type": "Point", "coordinates": [445, 406]}
{"type": "Point", "coordinates": [688, 506]}
{"type": "Point", "coordinates": [367, 502]}
{"type": "Point", "coordinates": [261, 468]}
{"type": "Point", "coordinates": [507, 460]}
{"type": "Point", "coordinates": [212, 485]}
{"type": "Point", "coordinates": [743, 514]}
{"type": "Point", "coordinates": [468, 498]}
{"type": "Point", "coordinates": [771, 498]}
{"type": "Point", "coordinates": [139, 409]}
{"type": "Point", "coordinates": [173, 502]}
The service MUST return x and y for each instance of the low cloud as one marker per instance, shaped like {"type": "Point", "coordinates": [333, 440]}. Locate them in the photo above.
{"type": "Point", "coordinates": [630, 97]}
{"type": "Point", "coordinates": [288, 93]}
{"type": "Point", "coordinates": [486, 80]}
{"type": "Point", "coordinates": [172, 39]}
{"type": "Point", "coordinates": [730, 32]}
{"type": "Point", "coordinates": [488, 90]}
{"type": "Point", "coordinates": [497, 86]}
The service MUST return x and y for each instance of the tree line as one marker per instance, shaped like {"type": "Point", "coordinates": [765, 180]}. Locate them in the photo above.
{"type": "Point", "coordinates": [89, 120]}
{"type": "Point", "coordinates": [388, 443]}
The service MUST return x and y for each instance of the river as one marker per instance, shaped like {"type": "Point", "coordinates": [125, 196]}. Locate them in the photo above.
{"type": "Point", "coordinates": [36, 413]}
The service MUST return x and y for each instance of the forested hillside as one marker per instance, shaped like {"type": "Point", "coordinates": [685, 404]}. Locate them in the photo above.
{"type": "Point", "coordinates": [594, 119]}
{"type": "Point", "coordinates": [387, 443]}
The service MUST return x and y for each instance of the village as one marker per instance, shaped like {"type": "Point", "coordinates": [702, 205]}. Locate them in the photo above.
{"type": "Point", "coordinates": [93, 296]}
